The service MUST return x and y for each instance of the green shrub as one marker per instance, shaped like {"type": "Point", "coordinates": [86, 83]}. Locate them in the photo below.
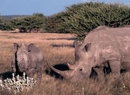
{"type": "Point", "coordinates": [5, 25]}
{"type": "Point", "coordinates": [82, 18]}
{"type": "Point", "coordinates": [29, 23]}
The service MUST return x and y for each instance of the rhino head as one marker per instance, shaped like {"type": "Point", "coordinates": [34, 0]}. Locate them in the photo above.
{"type": "Point", "coordinates": [22, 56]}
{"type": "Point", "coordinates": [81, 69]}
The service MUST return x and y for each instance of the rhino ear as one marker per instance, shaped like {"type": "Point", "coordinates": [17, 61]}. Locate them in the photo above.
{"type": "Point", "coordinates": [87, 47]}
{"type": "Point", "coordinates": [16, 46]}
{"type": "Point", "coordinates": [30, 46]}
{"type": "Point", "coordinates": [76, 45]}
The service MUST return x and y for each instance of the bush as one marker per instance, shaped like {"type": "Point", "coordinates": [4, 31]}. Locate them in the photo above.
{"type": "Point", "coordinates": [29, 23]}
{"type": "Point", "coordinates": [15, 85]}
{"type": "Point", "coordinates": [5, 25]}
{"type": "Point", "coordinates": [82, 18]}
{"type": "Point", "coordinates": [54, 22]}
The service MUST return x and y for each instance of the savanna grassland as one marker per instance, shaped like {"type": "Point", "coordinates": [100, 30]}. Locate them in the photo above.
{"type": "Point", "coordinates": [57, 50]}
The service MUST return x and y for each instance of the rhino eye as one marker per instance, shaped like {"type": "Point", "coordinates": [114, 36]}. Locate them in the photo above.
{"type": "Point", "coordinates": [80, 69]}
{"type": "Point", "coordinates": [27, 60]}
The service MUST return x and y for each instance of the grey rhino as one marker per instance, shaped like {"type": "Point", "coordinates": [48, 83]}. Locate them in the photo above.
{"type": "Point", "coordinates": [101, 47]}
{"type": "Point", "coordinates": [28, 59]}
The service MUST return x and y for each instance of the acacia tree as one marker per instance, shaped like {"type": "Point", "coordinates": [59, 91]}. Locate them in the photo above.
{"type": "Point", "coordinates": [29, 23]}
{"type": "Point", "coordinates": [5, 24]}
{"type": "Point", "coordinates": [82, 18]}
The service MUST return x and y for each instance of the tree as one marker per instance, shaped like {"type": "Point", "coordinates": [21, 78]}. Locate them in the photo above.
{"type": "Point", "coordinates": [81, 18]}
{"type": "Point", "coordinates": [29, 23]}
{"type": "Point", "coordinates": [5, 24]}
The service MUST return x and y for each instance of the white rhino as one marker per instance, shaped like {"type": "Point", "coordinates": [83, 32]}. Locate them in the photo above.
{"type": "Point", "coordinates": [101, 47]}
{"type": "Point", "coordinates": [28, 59]}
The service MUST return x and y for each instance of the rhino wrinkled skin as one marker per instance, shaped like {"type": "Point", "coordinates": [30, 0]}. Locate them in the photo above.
{"type": "Point", "coordinates": [28, 59]}
{"type": "Point", "coordinates": [101, 47]}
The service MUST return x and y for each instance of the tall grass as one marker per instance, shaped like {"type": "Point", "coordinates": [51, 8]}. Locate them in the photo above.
{"type": "Point", "coordinates": [57, 55]}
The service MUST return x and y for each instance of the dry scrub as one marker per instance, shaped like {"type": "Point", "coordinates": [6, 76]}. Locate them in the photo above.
{"type": "Point", "coordinates": [56, 53]}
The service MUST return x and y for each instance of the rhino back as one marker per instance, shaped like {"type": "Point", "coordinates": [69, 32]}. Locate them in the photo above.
{"type": "Point", "coordinates": [109, 43]}
{"type": "Point", "coordinates": [123, 40]}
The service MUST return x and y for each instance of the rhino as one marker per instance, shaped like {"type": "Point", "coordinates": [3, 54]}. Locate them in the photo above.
{"type": "Point", "coordinates": [102, 47]}
{"type": "Point", "coordinates": [28, 59]}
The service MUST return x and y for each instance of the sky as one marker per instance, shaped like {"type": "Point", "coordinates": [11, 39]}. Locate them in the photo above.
{"type": "Point", "coordinates": [46, 7]}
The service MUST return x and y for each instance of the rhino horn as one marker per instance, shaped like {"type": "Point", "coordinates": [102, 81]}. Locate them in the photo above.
{"type": "Point", "coordinates": [70, 66]}
{"type": "Point", "coordinates": [65, 74]}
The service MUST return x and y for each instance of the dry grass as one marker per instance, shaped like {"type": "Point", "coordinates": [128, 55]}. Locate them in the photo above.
{"type": "Point", "coordinates": [56, 55]}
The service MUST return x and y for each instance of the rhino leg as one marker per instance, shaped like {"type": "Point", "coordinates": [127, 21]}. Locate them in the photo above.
{"type": "Point", "coordinates": [13, 65]}
{"type": "Point", "coordinates": [39, 76]}
{"type": "Point", "coordinates": [100, 73]}
{"type": "Point", "coordinates": [30, 72]}
{"type": "Point", "coordinates": [40, 70]}
{"type": "Point", "coordinates": [115, 68]}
